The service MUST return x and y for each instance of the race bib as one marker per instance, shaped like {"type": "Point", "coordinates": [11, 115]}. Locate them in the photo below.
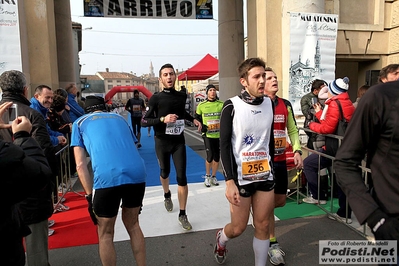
{"type": "Point", "coordinates": [175, 128]}
{"type": "Point", "coordinates": [136, 108]}
{"type": "Point", "coordinates": [255, 170]}
{"type": "Point", "coordinates": [213, 125]}
{"type": "Point", "coordinates": [280, 141]}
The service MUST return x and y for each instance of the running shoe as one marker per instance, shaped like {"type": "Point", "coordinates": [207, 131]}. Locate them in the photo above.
{"type": "Point", "coordinates": [219, 252]}
{"type": "Point", "coordinates": [50, 232]}
{"type": "Point", "coordinates": [336, 217]}
{"type": "Point", "coordinates": [60, 207]}
{"type": "Point", "coordinates": [276, 255]}
{"type": "Point", "coordinates": [51, 223]}
{"type": "Point", "coordinates": [183, 221]}
{"type": "Point", "coordinates": [207, 181]}
{"type": "Point", "coordinates": [214, 181]}
{"type": "Point", "coordinates": [168, 204]}
{"type": "Point", "coordinates": [311, 200]}
{"type": "Point", "coordinates": [138, 145]}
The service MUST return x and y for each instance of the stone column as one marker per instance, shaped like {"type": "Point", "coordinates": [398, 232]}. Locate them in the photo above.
{"type": "Point", "coordinates": [231, 46]}
{"type": "Point", "coordinates": [65, 51]}
{"type": "Point", "coordinates": [41, 41]}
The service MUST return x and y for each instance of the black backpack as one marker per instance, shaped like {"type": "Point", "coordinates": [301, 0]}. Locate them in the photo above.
{"type": "Point", "coordinates": [332, 144]}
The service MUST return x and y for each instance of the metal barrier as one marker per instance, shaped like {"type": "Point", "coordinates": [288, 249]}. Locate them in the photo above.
{"type": "Point", "coordinates": [366, 171]}
{"type": "Point", "coordinates": [64, 179]}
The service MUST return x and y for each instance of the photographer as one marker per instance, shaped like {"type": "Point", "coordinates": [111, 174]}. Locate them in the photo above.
{"type": "Point", "coordinates": [25, 171]}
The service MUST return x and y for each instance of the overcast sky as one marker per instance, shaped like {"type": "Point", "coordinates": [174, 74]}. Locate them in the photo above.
{"type": "Point", "coordinates": [129, 45]}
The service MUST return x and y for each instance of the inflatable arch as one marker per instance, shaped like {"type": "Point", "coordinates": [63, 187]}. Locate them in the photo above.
{"type": "Point", "coordinates": [117, 89]}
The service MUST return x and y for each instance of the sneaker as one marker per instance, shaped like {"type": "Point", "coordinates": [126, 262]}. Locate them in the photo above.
{"type": "Point", "coordinates": [219, 252]}
{"type": "Point", "coordinates": [50, 232]}
{"type": "Point", "coordinates": [276, 255]}
{"type": "Point", "coordinates": [62, 200]}
{"type": "Point", "coordinates": [214, 181]}
{"type": "Point", "coordinates": [138, 145]}
{"type": "Point", "coordinates": [311, 200]}
{"type": "Point", "coordinates": [60, 207]}
{"type": "Point", "coordinates": [207, 181]}
{"type": "Point", "coordinates": [336, 217]}
{"type": "Point", "coordinates": [168, 204]}
{"type": "Point", "coordinates": [51, 223]}
{"type": "Point", "coordinates": [183, 221]}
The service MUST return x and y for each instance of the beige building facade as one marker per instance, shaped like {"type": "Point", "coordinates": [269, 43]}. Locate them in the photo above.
{"type": "Point", "coordinates": [368, 35]}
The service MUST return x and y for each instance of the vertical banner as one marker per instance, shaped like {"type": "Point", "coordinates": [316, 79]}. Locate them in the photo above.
{"type": "Point", "coordinates": [10, 45]}
{"type": "Point", "coordinates": [313, 39]}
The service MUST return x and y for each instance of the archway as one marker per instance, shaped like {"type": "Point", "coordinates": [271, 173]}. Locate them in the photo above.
{"type": "Point", "coordinates": [117, 89]}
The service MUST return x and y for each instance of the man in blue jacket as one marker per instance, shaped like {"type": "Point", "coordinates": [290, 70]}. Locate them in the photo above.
{"type": "Point", "coordinates": [75, 111]}
{"type": "Point", "coordinates": [41, 102]}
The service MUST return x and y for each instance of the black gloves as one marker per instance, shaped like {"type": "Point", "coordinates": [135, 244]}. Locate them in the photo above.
{"type": "Point", "coordinates": [383, 226]}
{"type": "Point", "coordinates": [93, 217]}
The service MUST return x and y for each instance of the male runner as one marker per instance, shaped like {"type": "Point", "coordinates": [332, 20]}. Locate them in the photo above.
{"type": "Point", "coordinates": [283, 119]}
{"type": "Point", "coordinates": [135, 106]}
{"type": "Point", "coordinates": [166, 113]}
{"type": "Point", "coordinates": [247, 150]}
{"type": "Point", "coordinates": [208, 112]}
{"type": "Point", "coordinates": [119, 174]}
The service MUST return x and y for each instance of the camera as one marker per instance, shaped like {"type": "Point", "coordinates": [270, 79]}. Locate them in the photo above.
{"type": "Point", "coordinates": [12, 113]}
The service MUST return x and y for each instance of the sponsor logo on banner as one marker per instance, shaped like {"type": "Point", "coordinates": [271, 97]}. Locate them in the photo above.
{"type": "Point", "coordinates": [158, 9]}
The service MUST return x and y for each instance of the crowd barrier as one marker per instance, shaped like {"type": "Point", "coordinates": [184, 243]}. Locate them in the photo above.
{"type": "Point", "coordinates": [64, 179]}
{"type": "Point", "coordinates": [331, 209]}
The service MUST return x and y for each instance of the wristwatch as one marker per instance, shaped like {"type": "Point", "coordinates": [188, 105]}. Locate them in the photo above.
{"type": "Point", "coordinates": [162, 119]}
{"type": "Point", "coordinates": [298, 151]}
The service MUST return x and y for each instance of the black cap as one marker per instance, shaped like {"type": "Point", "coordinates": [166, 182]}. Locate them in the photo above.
{"type": "Point", "coordinates": [210, 86]}
{"type": "Point", "coordinates": [94, 103]}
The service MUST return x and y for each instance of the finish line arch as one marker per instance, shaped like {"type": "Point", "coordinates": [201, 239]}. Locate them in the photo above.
{"type": "Point", "coordinates": [117, 89]}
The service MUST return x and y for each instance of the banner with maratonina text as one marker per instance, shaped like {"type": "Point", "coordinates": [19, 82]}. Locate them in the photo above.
{"type": "Point", "coordinates": [313, 39]}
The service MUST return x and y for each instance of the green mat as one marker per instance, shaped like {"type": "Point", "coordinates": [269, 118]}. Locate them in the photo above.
{"type": "Point", "coordinates": [294, 210]}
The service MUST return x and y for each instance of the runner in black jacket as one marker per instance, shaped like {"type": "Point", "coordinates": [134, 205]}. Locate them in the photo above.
{"type": "Point", "coordinates": [166, 112]}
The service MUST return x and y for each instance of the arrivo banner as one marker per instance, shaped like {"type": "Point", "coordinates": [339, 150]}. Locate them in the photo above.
{"type": "Point", "coordinates": [157, 9]}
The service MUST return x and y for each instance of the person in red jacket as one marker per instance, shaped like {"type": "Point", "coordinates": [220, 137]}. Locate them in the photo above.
{"type": "Point", "coordinates": [329, 118]}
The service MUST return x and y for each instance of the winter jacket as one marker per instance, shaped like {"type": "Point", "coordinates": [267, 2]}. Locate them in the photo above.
{"type": "Point", "coordinates": [75, 110]}
{"type": "Point", "coordinates": [35, 104]}
{"type": "Point", "coordinates": [329, 121]}
{"type": "Point", "coordinates": [38, 206]}
{"type": "Point", "coordinates": [25, 171]}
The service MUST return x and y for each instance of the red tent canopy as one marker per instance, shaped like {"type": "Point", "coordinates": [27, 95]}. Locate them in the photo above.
{"type": "Point", "coordinates": [205, 68]}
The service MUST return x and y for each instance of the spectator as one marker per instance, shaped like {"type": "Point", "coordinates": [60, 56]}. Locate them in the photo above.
{"type": "Point", "coordinates": [65, 115]}
{"type": "Point", "coordinates": [119, 175]}
{"type": "Point", "coordinates": [360, 92]}
{"type": "Point", "coordinates": [307, 103]}
{"type": "Point", "coordinates": [38, 207]}
{"type": "Point", "coordinates": [26, 170]}
{"type": "Point", "coordinates": [310, 98]}
{"type": "Point", "coordinates": [329, 119]}
{"type": "Point", "coordinates": [389, 73]}
{"type": "Point", "coordinates": [80, 100]}
{"type": "Point", "coordinates": [42, 100]}
{"type": "Point", "coordinates": [75, 111]}
{"type": "Point", "coordinates": [54, 116]}
{"type": "Point", "coordinates": [376, 118]}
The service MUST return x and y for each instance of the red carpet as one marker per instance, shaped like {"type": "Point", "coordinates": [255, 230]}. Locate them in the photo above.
{"type": "Point", "coordinates": [73, 227]}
